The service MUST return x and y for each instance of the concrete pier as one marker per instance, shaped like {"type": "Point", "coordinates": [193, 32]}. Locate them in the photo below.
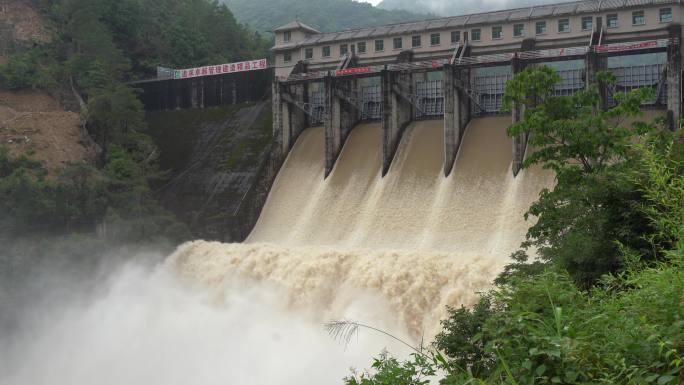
{"type": "Point", "coordinates": [397, 112]}
{"type": "Point", "coordinates": [456, 113]}
{"type": "Point", "coordinates": [342, 115]}
{"type": "Point", "coordinates": [517, 113]}
{"type": "Point", "coordinates": [289, 114]}
{"type": "Point", "coordinates": [674, 78]}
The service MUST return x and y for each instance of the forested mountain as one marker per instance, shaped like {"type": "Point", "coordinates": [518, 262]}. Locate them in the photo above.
{"type": "Point", "coordinates": [451, 8]}
{"type": "Point", "coordinates": [96, 48]}
{"type": "Point", "coordinates": [324, 15]}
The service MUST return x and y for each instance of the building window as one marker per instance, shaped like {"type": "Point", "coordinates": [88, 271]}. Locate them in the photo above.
{"type": "Point", "coordinates": [587, 23]}
{"type": "Point", "coordinates": [287, 36]}
{"type": "Point", "coordinates": [343, 49]}
{"type": "Point", "coordinates": [612, 20]}
{"type": "Point", "coordinates": [665, 15]}
{"type": "Point", "coordinates": [379, 45]}
{"type": "Point", "coordinates": [397, 43]}
{"type": "Point", "coordinates": [563, 25]}
{"type": "Point", "coordinates": [638, 18]}
{"type": "Point", "coordinates": [287, 57]}
{"type": "Point", "coordinates": [435, 39]}
{"type": "Point", "coordinates": [497, 32]}
{"type": "Point", "coordinates": [308, 53]}
{"type": "Point", "coordinates": [361, 46]}
{"type": "Point", "coordinates": [326, 51]}
{"type": "Point", "coordinates": [540, 28]}
{"type": "Point", "coordinates": [416, 41]}
{"type": "Point", "coordinates": [455, 37]}
{"type": "Point", "coordinates": [475, 34]}
{"type": "Point", "coordinates": [518, 30]}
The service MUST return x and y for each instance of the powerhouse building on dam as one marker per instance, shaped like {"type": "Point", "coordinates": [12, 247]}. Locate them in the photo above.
{"type": "Point", "coordinates": [455, 68]}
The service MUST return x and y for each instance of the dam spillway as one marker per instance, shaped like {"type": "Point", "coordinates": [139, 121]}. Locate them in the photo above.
{"type": "Point", "coordinates": [420, 240]}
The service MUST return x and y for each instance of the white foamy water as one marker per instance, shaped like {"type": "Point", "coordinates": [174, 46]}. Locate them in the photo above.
{"type": "Point", "coordinates": [391, 252]}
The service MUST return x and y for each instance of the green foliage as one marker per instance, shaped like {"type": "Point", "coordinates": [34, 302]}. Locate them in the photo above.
{"type": "Point", "coordinates": [463, 339]}
{"type": "Point", "coordinates": [592, 211]}
{"type": "Point", "coordinates": [30, 69]}
{"type": "Point", "coordinates": [389, 371]}
{"type": "Point", "coordinates": [82, 197]}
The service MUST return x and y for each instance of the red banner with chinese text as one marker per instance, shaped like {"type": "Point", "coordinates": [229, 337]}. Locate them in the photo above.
{"type": "Point", "coordinates": [220, 69]}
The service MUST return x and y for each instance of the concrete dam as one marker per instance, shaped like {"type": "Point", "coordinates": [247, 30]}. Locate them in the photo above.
{"type": "Point", "coordinates": [398, 178]}
{"type": "Point", "coordinates": [389, 191]}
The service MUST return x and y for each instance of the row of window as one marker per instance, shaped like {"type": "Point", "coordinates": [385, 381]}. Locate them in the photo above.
{"type": "Point", "coordinates": [540, 28]}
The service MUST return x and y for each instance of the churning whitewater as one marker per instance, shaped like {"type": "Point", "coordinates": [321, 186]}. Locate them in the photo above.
{"type": "Point", "coordinates": [418, 239]}
{"type": "Point", "coordinates": [391, 252]}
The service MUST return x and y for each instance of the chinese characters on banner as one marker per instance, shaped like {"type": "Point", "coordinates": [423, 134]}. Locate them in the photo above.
{"type": "Point", "coordinates": [619, 47]}
{"type": "Point", "coordinates": [220, 69]}
{"type": "Point", "coordinates": [352, 71]}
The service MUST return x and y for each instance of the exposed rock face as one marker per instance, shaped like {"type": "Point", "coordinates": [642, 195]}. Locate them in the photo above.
{"type": "Point", "coordinates": [32, 121]}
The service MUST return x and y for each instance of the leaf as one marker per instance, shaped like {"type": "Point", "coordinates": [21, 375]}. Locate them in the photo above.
{"type": "Point", "coordinates": [666, 379]}
{"type": "Point", "coordinates": [540, 370]}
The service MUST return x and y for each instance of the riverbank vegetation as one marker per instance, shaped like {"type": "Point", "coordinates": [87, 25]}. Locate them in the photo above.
{"type": "Point", "coordinates": [97, 47]}
{"type": "Point", "coordinates": [604, 301]}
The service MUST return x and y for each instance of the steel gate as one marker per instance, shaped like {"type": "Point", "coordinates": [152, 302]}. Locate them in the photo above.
{"type": "Point", "coordinates": [488, 93]}
{"type": "Point", "coordinates": [571, 81]}
{"type": "Point", "coordinates": [317, 103]}
{"type": "Point", "coordinates": [630, 78]}
{"type": "Point", "coordinates": [371, 103]}
{"type": "Point", "coordinates": [429, 99]}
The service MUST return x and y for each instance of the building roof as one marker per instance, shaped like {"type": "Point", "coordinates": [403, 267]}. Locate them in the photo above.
{"type": "Point", "coordinates": [295, 25]}
{"type": "Point", "coordinates": [461, 21]}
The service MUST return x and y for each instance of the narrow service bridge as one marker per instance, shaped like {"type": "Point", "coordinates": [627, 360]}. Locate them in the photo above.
{"type": "Point", "coordinates": [456, 68]}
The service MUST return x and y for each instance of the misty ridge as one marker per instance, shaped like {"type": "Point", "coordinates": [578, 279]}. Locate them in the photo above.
{"type": "Point", "coordinates": [454, 8]}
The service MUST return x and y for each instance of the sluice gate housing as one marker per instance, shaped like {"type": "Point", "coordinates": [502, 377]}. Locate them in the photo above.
{"type": "Point", "coordinates": [455, 70]}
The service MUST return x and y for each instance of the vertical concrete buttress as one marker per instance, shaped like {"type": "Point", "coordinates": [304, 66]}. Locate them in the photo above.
{"type": "Point", "coordinates": [520, 141]}
{"type": "Point", "coordinates": [331, 121]}
{"type": "Point", "coordinates": [288, 118]}
{"type": "Point", "coordinates": [674, 78]}
{"type": "Point", "coordinates": [341, 117]}
{"type": "Point", "coordinates": [396, 113]}
{"type": "Point", "coordinates": [455, 115]}
{"type": "Point", "coordinates": [593, 65]}
{"type": "Point", "coordinates": [278, 121]}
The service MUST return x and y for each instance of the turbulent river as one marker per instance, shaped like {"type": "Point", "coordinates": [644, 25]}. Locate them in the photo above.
{"type": "Point", "coordinates": [391, 252]}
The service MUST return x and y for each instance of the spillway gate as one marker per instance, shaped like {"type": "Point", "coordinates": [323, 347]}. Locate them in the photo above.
{"type": "Point", "coordinates": [459, 87]}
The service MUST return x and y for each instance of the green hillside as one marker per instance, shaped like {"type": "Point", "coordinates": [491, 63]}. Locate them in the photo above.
{"type": "Point", "coordinates": [325, 15]}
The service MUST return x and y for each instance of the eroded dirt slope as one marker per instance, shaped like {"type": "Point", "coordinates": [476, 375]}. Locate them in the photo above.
{"type": "Point", "coordinates": [34, 122]}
